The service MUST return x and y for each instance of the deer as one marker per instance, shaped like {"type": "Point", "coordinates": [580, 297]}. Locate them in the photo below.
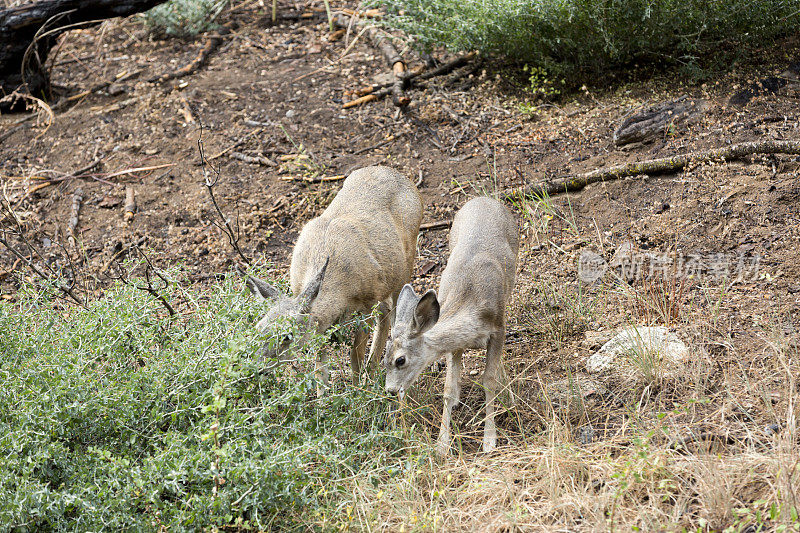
{"type": "Point", "coordinates": [468, 314]}
{"type": "Point", "coordinates": [357, 254]}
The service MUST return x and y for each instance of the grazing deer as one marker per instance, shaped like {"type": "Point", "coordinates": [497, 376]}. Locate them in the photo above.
{"type": "Point", "coordinates": [359, 252]}
{"type": "Point", "coordinates": [476, 286]}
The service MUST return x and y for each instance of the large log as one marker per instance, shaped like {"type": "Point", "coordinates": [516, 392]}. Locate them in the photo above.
{"type": "Point", "coordinates": [36, 26]}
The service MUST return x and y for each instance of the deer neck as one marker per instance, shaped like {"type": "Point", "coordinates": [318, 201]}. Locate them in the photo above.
{"type": "Point", "coordinates": [456, 332]}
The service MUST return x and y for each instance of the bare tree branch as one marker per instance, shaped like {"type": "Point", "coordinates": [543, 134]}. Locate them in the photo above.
{"type": "Point", "coordinates": [210, 179]}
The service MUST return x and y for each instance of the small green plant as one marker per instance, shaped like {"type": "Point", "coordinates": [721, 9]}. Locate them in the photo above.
{"type": "Point", "coordinates": [541, 84]}
{"type": "Point", "coordinates": [183, 18]}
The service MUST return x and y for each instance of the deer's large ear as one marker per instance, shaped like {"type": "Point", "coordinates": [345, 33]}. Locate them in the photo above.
{"type": "Point", "coordinates": [312, 289]}
{"type": "Point", "coordinates": [406, 303]}
{"type": "Point", "coordinates": [259, 287]}
{"type": "Point", "coordinates": [426, 313]}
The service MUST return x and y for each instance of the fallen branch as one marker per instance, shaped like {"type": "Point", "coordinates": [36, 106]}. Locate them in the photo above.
{"type": "Point", "coordinates": [378, 91]}
{"type": "Point", "coordinates": [314, 179]}
{"type": "Point", "coordinates": [234, 146]}
{"type": "Point", "coordinates": [212, 43]}
{"type": "Point", "coordinates": [49, 182]}
{"type": "Point", "coordinates": [72, 224]}
{"type": "Point", "coordinates": [130, 204]}
{"type": "Point", "coordinates": [655, 166]}
{"type": "Point", "coordinates": [253, 159]}
{"type": "Point", "coordinates": [431, 226]}
{"type": "Point", "coordinates": [380, 40]}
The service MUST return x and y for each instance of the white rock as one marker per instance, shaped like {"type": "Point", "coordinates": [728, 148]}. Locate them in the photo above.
{"type": "Point", "coordinates": [656, 341]}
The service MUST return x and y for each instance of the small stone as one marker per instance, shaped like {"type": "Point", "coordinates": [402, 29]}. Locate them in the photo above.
{"type": "Point", "coordinates": [772, 429]}
{"type": "Point", "coordinates": [585, 435]}
{"type": "Point", "coordinates": [473, 372]}
{"type": "Point", "coordinates": [290, 114]}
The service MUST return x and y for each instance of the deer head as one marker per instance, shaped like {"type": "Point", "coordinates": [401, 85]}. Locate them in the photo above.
{"type": "Point", "coordinates": [407, 353]}
{"type": "Point", "coordinates": [284, 309]}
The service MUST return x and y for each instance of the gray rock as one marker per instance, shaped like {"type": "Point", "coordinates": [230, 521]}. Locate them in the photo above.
{"type": "Point", "coordinates": [658, 343]}
{"type": "Point", "coordinates": [585, 435]}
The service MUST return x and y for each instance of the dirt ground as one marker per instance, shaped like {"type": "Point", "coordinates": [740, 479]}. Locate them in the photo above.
{"type": "Point", "coordinates": [277, 92]}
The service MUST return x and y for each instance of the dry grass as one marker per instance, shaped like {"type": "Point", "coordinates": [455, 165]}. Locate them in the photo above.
{"type": "Point", "coordinates": [711, 445]}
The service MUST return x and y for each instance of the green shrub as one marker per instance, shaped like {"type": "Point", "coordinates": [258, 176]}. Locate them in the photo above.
{"type": "Point", "coordinates": [584, 37]}
{"type": "Point", "coordinates": [117, 417]}
{"type": "Point", "coordinates": [183, 18]}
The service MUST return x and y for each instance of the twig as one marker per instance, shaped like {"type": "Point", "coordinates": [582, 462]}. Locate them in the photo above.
{"type": "Point", "coordinates": [8, 133]}
{"type": "Point", "coordinates": [210, 181]}
{"type": "Point", "coordinates": [376, 92]}
{"type": "Point", "coordinates": [130, 204]}
{"type": "Point", "coordinates": [72, 224]}
{"type": "Point", "coordinates": [213, 42]}
{"type": "Point", "coordinates": [315, 179]}
{"type": "Point", "coordinates": [68, 290]}
{"type": "Point", "coordinates": [655, 166]}
{"type": "Point", "coordinates": [155, 292]}
{"type": "Point", "coordinates": [133, 170]}
{"type": "Point", "coordinates": [253, 160]}
{"type": "Point", "coordinates": [431, 226]}
{"type": "Point", "coordinates": [235, 145]}
{"type": "Point", "coordinates": [119, 253]}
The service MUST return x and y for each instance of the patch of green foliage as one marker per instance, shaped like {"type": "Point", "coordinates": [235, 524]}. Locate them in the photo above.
{"type": "Point", "coordinates": [584, 37]}
{"type": "Point", "coordinates": [183, 18]}
{"type": "Point", "coordinates": [118, 417]}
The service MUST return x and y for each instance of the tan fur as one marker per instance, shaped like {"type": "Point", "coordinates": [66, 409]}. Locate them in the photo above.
{"type": "Point", "coordinates": [367, 238]}
{"type": "Point", "coordinates": [475, 289]}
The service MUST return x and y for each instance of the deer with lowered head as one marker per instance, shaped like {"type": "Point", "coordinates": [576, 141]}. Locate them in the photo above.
{"type": "Point", "coordinates": [359, 252]}
{"type": "Point", "coordinates": [469, 312]}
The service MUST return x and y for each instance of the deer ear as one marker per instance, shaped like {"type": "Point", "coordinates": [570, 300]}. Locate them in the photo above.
{"type": "Point", "coordinates": [406, 303]}
{"type": "Point", "coordinates": [426, 313]}
{"type": "Point", "coordinates": [312, 289]}
{"type": "Point", "coordinates": [259, 287]}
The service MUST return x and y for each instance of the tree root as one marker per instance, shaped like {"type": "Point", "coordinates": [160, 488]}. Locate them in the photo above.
{"type": "Point", "coordinates": [654, 166]}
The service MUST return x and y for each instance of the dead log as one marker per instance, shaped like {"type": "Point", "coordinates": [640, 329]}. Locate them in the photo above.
{"type": "Point", "coordinates": [28, 32]}
{"type": "Point", "coordinates": [394, 60]}
{"type": "Point", "coordinates": [654, 166]}
{"type": "Point", "coordinates": [657, 120]}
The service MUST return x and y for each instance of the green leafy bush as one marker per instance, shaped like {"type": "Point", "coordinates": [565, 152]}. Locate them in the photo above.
{"type": "Point", "coordinates": [571, 37]}
{"type": "Point", "coordinates": [117, 417]}
{"type": "Point", "coordinates": [183, 18]}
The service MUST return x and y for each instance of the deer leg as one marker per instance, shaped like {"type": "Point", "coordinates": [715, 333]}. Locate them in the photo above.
{"type": "Point", "coordinates": [452, 394]}
{"type": "Point", "coordinates": [380, 335]}
{"type": "Point", "coordinates": [492, 384]}
{"type": "Point", "coordinates": [357, 352]}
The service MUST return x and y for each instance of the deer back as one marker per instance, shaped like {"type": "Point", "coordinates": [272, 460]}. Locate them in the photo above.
{"type": "Point", "coordinates": [368, 235]}
{"type": "Point", "coordinates": [481, 270]}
